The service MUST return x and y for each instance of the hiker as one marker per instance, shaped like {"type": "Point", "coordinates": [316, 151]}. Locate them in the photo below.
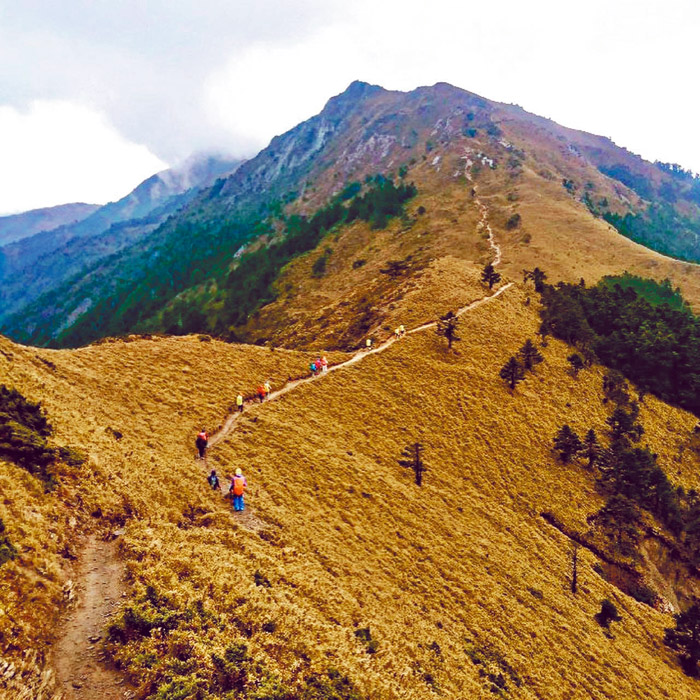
{"type": "Point", "coordinates": [268, 388]}
{"type": "Point", "coordinates": [213, 480]}
{"type": "Point", "coordinates": [402, 330]}
{"type": "Point", "coordinates": [239, 402]}
{"type": "Point", "coordinates": [201, 443]}
{"type": "Point", "coordinates": [261, 393]}
{"type": "Point", "coordinates": [238, 487]}
{"type": "Point", "coordinates": [319, 365]}
{"type": "Point", "coordinates": [368, 343]}
{"type": "Point", "coordinates": [312, 367]}
{"type": "Point", "coordinates": [324, 364]}
{"type": "Point", "coordinates": [397, 332]}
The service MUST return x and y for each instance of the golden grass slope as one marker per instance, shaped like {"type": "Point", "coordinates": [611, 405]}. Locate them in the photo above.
{"type": "Point", "coordinates": [459, 569]}
{"type": "Point", "coordinates": [156, 394]}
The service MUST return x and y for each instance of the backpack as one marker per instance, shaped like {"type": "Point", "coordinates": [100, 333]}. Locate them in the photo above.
{"type": "Point", "coordinates": [238, 485]}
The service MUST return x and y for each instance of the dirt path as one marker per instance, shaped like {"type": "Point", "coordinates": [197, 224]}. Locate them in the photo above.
{"type": "Point", "coordinates": [81, 671]}
{"type": "Point", "coordinates": [230, 422]}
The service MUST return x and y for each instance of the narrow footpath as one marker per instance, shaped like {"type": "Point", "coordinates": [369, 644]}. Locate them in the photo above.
{"type": "Point", "coordinates": [81, 670]}
{"type": "Point", "coordinates": [483, 225]}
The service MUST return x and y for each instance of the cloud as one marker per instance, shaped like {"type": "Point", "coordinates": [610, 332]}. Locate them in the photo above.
{"type": "Point", "coordinates": [143, 64]}
{"type": "Point", "coordinates": [187, 75]}
{"type": "Point", "coordinates": [62, 152]}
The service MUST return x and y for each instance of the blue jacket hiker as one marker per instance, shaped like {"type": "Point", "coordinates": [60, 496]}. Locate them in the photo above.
{"type": "Point", "coordinates": [213, 480]}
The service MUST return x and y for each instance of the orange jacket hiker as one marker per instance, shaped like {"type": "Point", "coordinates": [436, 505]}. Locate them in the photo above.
{"type": "Point", "coordinates": [238, 486]}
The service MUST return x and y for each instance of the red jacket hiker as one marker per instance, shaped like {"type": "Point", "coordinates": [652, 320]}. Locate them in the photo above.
{"type": "Point", "coordinates": [201, 443]}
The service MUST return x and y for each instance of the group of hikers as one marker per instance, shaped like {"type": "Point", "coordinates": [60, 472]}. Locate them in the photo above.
{"type": "Point", "coordinates": [238, 481]}
{"type": "Point", "coordinates": [320, 364]}
{"type": "Point", "coordinates": [236, 489]}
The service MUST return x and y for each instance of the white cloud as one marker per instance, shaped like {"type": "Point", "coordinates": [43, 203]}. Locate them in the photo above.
{"type": "Point", "coordinates": [63, 152]}
{"type": "Point", "coordinates": [187, 75]}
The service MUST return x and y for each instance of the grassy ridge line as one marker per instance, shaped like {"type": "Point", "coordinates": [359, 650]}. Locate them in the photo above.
{"type": "Point", "coordinates": [155, 394]}
{"type": "Point", "coordinates": [230, 421]}
{"type": "Point", "coordinates": [463, 550]}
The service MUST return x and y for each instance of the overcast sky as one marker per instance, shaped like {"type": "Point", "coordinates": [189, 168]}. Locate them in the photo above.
{"type": "Point", "coordinates": [96, 95]}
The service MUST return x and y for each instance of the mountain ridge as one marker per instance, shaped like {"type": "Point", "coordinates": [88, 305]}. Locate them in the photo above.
{"type": "Point", "coordinates": [360, 132]}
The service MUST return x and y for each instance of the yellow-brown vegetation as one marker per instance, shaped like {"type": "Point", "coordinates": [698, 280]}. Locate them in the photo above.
{"type": "Point", "coordinates": [462, 569]}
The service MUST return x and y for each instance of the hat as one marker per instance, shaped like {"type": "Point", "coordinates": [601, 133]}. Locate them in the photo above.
{"type": "Point", "coordinates": [239, 472]}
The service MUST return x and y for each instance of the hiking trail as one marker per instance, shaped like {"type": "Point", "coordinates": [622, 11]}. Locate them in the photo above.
{"type": "Point", "coordinates": [82, 672]}
{"type": "Point", "coordinates": [483, 225]}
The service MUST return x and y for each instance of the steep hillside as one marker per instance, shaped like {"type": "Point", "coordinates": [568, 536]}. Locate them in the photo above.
{"type": "Point", "coordinates": [554, 195]}
{"type": "Point", "coordinates": [17, 226]}
{"type": "Point", "coordinates": [46, 261]}
{"type": "Point", "coordinates": [342, 573]}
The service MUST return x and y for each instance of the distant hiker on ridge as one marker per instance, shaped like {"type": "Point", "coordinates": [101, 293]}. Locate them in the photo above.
{"type": "Point", "coordinates": [324, 364]}
{"type": "Point", "coordinates": [201, 442]}
{"type": "Point", "coordinates": [268, 388]}
{"type": "Point", "coordinates": [402, 330]}
{"type": "Point", "coordinates": [261, 393]}
{"type": "Point", "coordinates": [213, 480]}
{"type": "Point", "coordinates": [238, 487]}
{"type": "Point", "coordinates": [239, 402]}
{"type": "Point", "coordinates": [312, 367]}
{"type": "Point", "coordinates": [368, 344]}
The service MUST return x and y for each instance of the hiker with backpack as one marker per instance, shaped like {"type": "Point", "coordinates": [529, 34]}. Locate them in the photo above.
{"type": "Point", "coordinates": [261, 392]}
{"type": "Point", "coordinates": [201, 442]}
{"type": "Point", "coordinates": [213, 480]}
{"type": "Point", "coordinates": [239, 403]}
{"type": "Point", "coordinates": [238, 487]}
{"type": "Point", "coordinates": [268, 387]}
{"type": "Point", "coordinates": [368, 344]}
{"type": "Point", "coordinates": [312, 367]}
{"type": "Point", "coordinates": [324, 364]}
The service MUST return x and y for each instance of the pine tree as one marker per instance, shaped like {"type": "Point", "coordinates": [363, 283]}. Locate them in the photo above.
{"type": "Point", "coordinates": [490, 276]}
{"type": "Point", "coordinates": [447, 327]}
{"type": "Point", "coordinates": [537, 276]}
{"type": "Point", "coordinates": [512, 372]}
{"type": "Point", "coordinates": [413, 460]}
{"type": "Point", "coordinates": [567, 443]}
{"type": "Point", "coordinates": [530, 355]}
{"type": "Point", "coordinates": [623, 423]}
{"type": "Point", "coordinates": [685, 638]}
{"type": "Point", "coordinates": [591, 447]}
{"type": "Point", "coordinates": [621, 515]}
{"type": "Point", "coordinates": [576, 363]}
{"type": "Point", "coordinates": [615, 388]}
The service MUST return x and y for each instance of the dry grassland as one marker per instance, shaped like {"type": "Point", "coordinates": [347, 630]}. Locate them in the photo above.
{"type": "Point", "coordinates": [566, 240]}
{"type": "Point", "coordinates": [313, 311]}
{"type": "Point", "coordinates": [156, 394]}
{"type": "Point", "coordinates": [463, 566]}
